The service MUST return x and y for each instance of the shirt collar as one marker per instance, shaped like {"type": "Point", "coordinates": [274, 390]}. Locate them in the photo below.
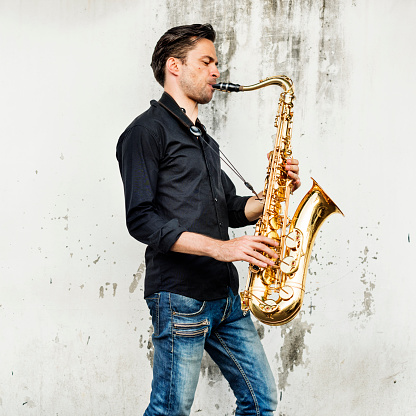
{"type": "Point", "coordinates": [167, 102]}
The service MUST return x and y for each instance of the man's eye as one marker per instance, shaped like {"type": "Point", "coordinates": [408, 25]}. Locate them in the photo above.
{"type": "Point", "coordinates": [206, 63]}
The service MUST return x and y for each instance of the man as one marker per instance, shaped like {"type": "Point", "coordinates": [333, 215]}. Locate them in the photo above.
{"type": "Point", "coordinates": [180, 203]}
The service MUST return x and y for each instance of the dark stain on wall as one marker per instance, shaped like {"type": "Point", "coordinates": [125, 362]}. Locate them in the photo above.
{"type": "Point", "coordinates": [293, 348]}
{"type": "Point", "coordinates": [287, 46]}
{"type": "Point", "coordinates": [103, 289]}
{"type": "Point", "coordinates": [136, 277]}
{"type": "Point", "coordinates": [284, 46]}
{"type": "Point", "coordinates": [210, 370]}
{"type": "Point", "coordinates": [365, 309]}
{"type": "Point", "coordinates": [224, 17]}
{"type": "Point", "coordinates": [281, 37]}
{"type": "Point", "coordinates": [260, 329]}
{"type": "Point", "coordinates": [331, 53]}
{"type": "Point", "coordinates": [151, 349]}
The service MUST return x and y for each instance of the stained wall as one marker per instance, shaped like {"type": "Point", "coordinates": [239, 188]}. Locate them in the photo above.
{"type": "Point", "coordinates": [75, 331]}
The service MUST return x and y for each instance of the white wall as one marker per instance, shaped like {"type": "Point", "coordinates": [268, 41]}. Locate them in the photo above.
{"type": "Point", "coordinates": [75, 331]}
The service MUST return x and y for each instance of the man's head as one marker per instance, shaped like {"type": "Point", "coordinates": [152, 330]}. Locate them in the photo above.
{"type": "Point", "coordinates": [176, 43]}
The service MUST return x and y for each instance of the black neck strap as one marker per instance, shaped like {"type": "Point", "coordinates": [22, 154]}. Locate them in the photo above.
{"type": "Point", "coordinates": [169, 104]}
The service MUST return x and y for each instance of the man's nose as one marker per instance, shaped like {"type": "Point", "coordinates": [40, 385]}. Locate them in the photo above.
{"type": "Point", "coordinates": [215, 72]}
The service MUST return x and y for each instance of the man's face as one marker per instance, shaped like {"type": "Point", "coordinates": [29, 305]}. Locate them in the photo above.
{"type": "Point", "coordinates": [199, 72]}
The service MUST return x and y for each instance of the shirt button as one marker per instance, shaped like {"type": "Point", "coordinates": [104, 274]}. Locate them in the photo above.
{"type": "Point", "coordinates": [215, 199]}
{"type": "Point", "coordinates": [220, 224]}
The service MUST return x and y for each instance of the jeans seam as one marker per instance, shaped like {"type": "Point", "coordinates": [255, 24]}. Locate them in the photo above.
{"type": "Point", "coordinates": [225, 311]}
{"type": "Point", "coordinates": [157, 315]}
{"type": "Point", "coordinates": [155, 318]}
{"type": "Point", "coordinates": [173, 356]}
{"type": "Point", "coordinates": [241, 371]}
{"type": "Point", "coordinates": [198, 312]}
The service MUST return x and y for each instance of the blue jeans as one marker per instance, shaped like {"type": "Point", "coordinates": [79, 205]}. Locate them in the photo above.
{"type": "Point", "coordinates": [183, 327]}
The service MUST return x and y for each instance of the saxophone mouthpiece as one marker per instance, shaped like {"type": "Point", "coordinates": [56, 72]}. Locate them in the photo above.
{"type": "Point", "coordinates": [227, 87]}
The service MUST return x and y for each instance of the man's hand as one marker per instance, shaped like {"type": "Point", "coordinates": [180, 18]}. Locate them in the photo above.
{"type": "Point", "coordinates": [292, 167]}
{"type": "Point", "coordinates": [246, 248]}
{"type": "Point", "coordinates": [254, 206]}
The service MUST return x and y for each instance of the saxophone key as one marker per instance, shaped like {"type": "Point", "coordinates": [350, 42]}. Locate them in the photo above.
{"type": "Point", "coordinates": [276, 223]}
{"type": "Point", "coordinates": [286, 293]}
{"type": "Point", "coordinates": [245, 300]}
{"type": "Point", "coordinates": [293, 239]}
{"type": "Point", "coordinates": [268, 276]}
{"type": "Point", "coordinates": [288, 265]}
{"type": "Point", "coordinates": [273, 234]}
{"type": "Point", "coordinates": [254, 269]}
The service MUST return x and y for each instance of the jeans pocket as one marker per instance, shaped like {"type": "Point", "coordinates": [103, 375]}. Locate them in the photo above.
{"type": "Point", "coordinates": [153, 305]}
{"type": "Point", "coordinates": [184, 306]}
{"type": "Point", "coordinates": [187, 316]}
{"type": "Point", "coordinates": [190, 329]}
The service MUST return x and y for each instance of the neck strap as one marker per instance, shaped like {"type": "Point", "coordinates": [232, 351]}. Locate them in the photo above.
{"type": "Point", "coordinates": [168, 103]}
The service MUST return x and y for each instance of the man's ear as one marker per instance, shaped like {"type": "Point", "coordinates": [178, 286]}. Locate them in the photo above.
{"type": "Point", "coordinates": [173, 65]}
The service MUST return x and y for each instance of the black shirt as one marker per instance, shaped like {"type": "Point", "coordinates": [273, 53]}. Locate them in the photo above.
{"type": "Point", "coordinates": [173, 183]}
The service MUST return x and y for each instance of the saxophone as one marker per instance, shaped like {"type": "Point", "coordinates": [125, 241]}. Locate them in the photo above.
{"type": "Point", "coordinates": [274, 294]}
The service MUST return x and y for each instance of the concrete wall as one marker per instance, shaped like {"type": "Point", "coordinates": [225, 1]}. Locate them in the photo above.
{"type": "Point", "coordinates": [75, 331]}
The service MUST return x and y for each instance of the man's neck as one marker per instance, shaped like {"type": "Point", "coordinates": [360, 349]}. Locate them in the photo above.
{"type": "Point", "coordinates": [190, 106]}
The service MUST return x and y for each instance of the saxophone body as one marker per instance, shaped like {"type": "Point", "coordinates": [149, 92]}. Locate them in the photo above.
{"type": "Point", "coordinates": [274, 294]}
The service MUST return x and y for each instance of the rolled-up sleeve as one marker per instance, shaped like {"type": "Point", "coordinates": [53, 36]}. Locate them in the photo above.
{"type": "Point", "coordinates": [138, 154]}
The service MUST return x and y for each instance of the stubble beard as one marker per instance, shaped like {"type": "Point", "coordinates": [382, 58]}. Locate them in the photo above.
{"type": "Point", "coordinates": [194, 93]}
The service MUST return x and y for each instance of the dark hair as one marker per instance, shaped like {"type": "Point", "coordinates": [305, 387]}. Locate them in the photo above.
{"type": "Point", "coordinates": [177, 42]}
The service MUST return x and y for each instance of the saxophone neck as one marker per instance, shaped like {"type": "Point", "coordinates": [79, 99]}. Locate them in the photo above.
{"type": "Point", "coordinates": [282, 81]}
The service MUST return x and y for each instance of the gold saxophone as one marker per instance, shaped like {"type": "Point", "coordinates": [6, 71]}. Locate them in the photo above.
{"type": "Point", "coordinates": [274, 294]}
